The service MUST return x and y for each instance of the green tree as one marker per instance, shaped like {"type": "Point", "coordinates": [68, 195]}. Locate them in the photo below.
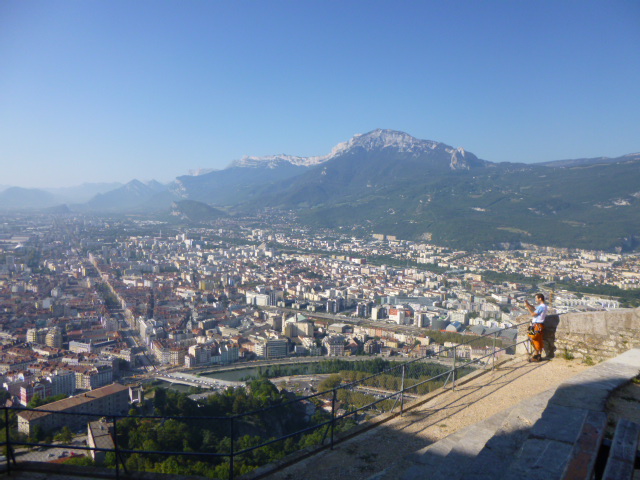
{"type": "Point", "coordinates": [329, 383]}
{"type": "Point", "coordinates": [159, 399]}
{"type": "Point", "coordinates": [110, 459]}
{"type": "Point", "coordinates": [65, 435]}
{"type": "Point", "coordinates": [36, 435]}
{"type": "Point", "coordinates": [80, 460]}
{"type": "Point", "coordinates": [35, 402]}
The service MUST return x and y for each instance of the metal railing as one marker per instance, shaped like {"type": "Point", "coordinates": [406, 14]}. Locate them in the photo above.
{"type": "Point", "coordinates": [343, 406]}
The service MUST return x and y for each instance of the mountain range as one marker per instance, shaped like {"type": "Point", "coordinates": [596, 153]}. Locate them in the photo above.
{"type": "Point", "coordinates": [12, 198]}
{"type": "Point", "coordinates": [389, 182]}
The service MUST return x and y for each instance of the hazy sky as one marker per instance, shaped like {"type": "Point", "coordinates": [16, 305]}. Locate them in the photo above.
{"type": "Point", "coordinates": [114, 90]}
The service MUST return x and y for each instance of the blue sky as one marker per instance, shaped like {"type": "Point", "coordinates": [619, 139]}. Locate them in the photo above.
{"type": "Point", "coordinates": [114, 90]}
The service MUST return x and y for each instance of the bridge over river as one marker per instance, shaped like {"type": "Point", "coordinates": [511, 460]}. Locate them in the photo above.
{"type": "Point", "coordinates": [195, 381]}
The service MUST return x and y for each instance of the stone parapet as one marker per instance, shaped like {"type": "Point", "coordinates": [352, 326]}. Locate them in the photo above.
{"type": "Point", "coordinates": [595, 336]}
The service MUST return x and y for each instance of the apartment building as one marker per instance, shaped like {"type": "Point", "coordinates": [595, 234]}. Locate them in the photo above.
{"type": "Point", "coordinates": [110, 400]}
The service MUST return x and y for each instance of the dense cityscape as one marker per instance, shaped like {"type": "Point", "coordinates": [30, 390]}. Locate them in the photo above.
{"type": "Point", "coordinates": [85, 301]}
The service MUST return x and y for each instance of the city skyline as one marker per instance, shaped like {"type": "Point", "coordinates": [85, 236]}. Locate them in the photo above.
{"type": "Point", "coordinates": [106, 92]}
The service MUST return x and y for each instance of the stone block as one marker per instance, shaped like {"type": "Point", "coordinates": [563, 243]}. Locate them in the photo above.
{"type": "Point", "coordinates": [559, 423]}
{"type": "Point", "coordinates": [416, 472]}
{"type": "Point", "coordinates": [622, 456]}
{"type": "Point", "coordinates": [623, 319]}
{"type": "Point", "coordinates": [435, 452]}
{"type": "Point", "coordinates": [581, 396]}
{"type": "Point", "coordinates": [540, 460]}
{"type": "Point", "coordinates": [585, 451]}
{"type": "Point", "coordinates": [630, 357]}
{"type": "Point", "coordinates": [574, 323]}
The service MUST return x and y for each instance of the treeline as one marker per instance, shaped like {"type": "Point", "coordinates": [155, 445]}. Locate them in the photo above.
{"type": "Point", "coordinates": [213, 436]}
{"type": "Point", "coordinates": [358, 389]}
{"type": "Point", "coordinates": [36, 401]}
{"type": "Point", "coordinates": [110, 299]}
{"type": "Point", "coordinates": [473, 340]}
{"type": "Point", "coordinates": [370, 366]}
{"type": "Point", "coordinates": [499, 277]}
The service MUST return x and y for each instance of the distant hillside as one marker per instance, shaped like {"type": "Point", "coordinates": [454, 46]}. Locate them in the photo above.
{"type": "Point", "coordinates": [582, 162]}
{"type": "Point", "coordinates": [232, 185]}
{"type": "Point", "coordinates": [134, 196]}
{"type": "Point", "coordinates": [82, 193]}
{"type": "Point", "coordinates": [195, 211]}
{"type": "Point", "coordinates": [16, 198]}
{"type": "Point", "coordinates": [58, 209]}
{"type": "Point", "coordinates": [594, 206]}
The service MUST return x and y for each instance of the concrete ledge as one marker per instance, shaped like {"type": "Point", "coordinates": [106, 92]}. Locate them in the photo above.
{"type": "Point", "coordinates": [553, 438]}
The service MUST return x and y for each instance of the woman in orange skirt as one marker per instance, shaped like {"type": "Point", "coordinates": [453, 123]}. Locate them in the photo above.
{"type": "Point", "coordinates": [536, 335]}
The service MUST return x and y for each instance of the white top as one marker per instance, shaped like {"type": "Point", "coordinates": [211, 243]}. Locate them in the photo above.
{"type": "Point", "coordinates": [541, 313]}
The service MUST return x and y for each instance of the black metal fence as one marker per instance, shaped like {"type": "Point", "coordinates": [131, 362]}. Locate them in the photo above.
{"type": "Point", "coordinates": [226, 446]}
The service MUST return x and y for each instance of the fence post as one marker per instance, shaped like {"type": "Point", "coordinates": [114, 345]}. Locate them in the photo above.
{"type": "Point", "coordinates": [333, 414]}
{"type": "Point", "coordinates": [232, 451]}
{"type": "Point", "coordinates": [402, 392]}
{"type": "Point", "coordinates": [453, 387]}
{"type": "Point", "coordinates": [115, 445]}
{"type": "Point", "coordinates": [493, 356]}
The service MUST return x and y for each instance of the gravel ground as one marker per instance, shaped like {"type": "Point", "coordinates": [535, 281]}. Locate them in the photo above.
{"type": "Point", "coordinates": [372, 452]}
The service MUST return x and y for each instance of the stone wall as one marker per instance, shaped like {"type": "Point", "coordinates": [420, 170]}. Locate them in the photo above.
{"type": "Point", "coordinates": [595, 336]}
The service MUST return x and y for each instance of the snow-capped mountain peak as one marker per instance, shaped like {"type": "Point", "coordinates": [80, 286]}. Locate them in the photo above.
{"type": "Point", "coordinates": [378, 139]}
{"type": "Point", "coordinates": [273, 161]}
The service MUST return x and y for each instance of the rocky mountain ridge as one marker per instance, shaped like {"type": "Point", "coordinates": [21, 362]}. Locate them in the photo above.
{"type": "Point", "coordinates": [390, 182]}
